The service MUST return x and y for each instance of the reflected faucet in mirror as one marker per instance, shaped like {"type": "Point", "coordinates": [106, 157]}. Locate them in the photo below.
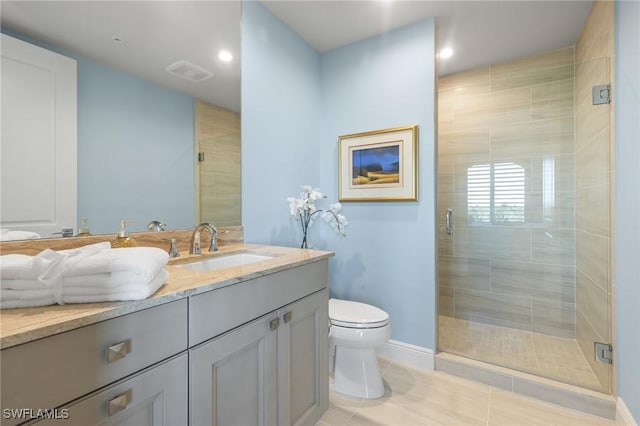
{"type": "Point", "coordinates": [157, 226]}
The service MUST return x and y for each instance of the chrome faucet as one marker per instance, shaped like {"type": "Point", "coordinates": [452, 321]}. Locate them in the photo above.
{"type": "Point", "coordinates": [154, 225]}
{"type": "Point", "coordinates": [195, 238]}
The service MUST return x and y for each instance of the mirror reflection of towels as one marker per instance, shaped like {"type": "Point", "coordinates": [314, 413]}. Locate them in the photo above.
{"type": "Point", "coordinates": [9, 235]}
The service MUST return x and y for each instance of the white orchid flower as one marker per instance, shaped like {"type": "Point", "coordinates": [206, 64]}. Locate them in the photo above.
{"type": "Point", "coordinates": [293, 205]}
{"type": "Point", "coordinates": [315, 194]}
{"type": "Point", "coordinates": [304, 210]}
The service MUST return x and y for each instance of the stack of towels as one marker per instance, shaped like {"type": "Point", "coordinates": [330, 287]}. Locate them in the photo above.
{"type": "Point", "coordinates": [94, 273]}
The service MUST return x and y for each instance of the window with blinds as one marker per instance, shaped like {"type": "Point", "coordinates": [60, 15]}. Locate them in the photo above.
{"type": "Point", "coordinates": [495, 193]}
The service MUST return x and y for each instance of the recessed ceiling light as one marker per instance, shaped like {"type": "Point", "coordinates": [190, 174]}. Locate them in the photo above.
{"type": "Point", "coordinates": [225, 56]}
{"type": "Point", "coordinates": [445, 53]}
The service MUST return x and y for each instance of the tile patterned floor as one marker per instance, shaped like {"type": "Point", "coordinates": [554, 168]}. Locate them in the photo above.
{"type": "Point", "coordinates": [547, 356]}
{"type": "Point", "coordinates": [418, 397]}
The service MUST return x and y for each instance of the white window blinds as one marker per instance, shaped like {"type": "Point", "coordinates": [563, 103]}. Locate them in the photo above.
{"type": "Point", "coordinates": [495, 193]}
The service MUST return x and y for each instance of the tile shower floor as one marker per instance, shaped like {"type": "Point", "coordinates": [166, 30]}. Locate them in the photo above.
{"type": "Point", "coordinates": [547, 356]}
{"type": "Point", "coordinates": [419, 397]}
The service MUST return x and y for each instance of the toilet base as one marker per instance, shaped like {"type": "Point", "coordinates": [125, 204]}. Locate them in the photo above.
{"type": "Point", "coordinates": [357, 373]}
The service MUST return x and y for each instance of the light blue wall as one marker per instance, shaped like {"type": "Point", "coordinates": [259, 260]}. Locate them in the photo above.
{"type": "Point", "coordinates": [135, 149]}
{"type": "Point", "coordinates": [295, 104]}
{"type": "Point", "coordinates": [280, 122]}
{"type": "Point", "coordinates": [388, 256]}
{"type": "Point", "coordinates": [627, 203]}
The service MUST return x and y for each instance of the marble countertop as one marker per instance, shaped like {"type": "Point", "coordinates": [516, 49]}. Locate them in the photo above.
{"type": "Point", "coordinates": [18, 326]}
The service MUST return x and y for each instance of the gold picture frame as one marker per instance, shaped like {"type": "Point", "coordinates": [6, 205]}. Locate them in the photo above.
{"type": "Point", "coordinates": [381, 165]}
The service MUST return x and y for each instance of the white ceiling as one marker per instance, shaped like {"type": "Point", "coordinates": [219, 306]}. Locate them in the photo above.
{"type": "Point", "coordinates": [480, 32]}
{"type": "Point", "coordinates": [158, 33]}
{"type": "Point", "coordinates": [155, 34]}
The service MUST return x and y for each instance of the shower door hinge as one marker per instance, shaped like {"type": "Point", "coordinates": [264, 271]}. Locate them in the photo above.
{"type": "Point", "coordinates": [601, 94]}
{"type": "Point", "coordinates": [200, 157]}
{"type": "Point", "coordinates": [604, 352]}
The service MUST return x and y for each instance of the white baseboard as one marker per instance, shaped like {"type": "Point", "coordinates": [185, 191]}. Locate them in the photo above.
{"type": "Point", "coordinates": [406, 353]}
{"type": "Point", "coordinates": [623, 415]}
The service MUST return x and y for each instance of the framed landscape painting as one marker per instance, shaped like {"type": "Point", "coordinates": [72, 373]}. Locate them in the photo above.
{"type": "Point", "coordinates": [380, 165]}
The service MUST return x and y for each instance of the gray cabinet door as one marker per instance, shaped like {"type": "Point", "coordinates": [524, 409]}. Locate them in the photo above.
{"type": "Point", "coordinates": [303, 384]}
{"type": "Point", "coordinates": [233, 377]}
{"type": "Point", "coordinates": [155, 397]}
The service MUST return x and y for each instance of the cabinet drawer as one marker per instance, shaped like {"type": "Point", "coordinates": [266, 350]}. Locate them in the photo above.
{"type": "Point", "coordinates": [52, 371]}
{"type": "Point", "coordinates": [155, 397]}
{"type": "Point", "coordinates": [221, 310]}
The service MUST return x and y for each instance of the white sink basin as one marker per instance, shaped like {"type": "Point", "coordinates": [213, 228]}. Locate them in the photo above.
{"type": "Point", "coordinates": [222, 262]}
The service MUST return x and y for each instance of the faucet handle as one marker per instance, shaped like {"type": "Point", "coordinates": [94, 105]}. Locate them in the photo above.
{"type": "Point", "coordinates": [213, 246]}
{"type": "Point", "coordinates": [173, 250]}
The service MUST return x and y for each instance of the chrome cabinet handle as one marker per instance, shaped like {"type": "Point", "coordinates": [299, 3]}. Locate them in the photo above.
{"type": "Point", "coordinates": [287, 317]}
{"type": "Point", "coordinates": [119, 403]}
{"type": "Point", "coordinates": [118, 351]}
{"type": "Point", "coordinates": [449, 223]}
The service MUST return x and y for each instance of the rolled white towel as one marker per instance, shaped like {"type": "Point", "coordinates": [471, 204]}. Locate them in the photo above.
{"type": "Point", "coordinates": [41, 297]}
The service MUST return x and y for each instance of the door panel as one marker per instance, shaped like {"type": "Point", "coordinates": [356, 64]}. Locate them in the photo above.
{"type": "Point", "coordinates": [233, 377]}
{"type": "Point", "coordinates": [38, 156]}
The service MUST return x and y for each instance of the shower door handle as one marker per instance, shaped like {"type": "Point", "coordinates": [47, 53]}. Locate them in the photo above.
{"type": "Point", "coordinates": [448, 222]}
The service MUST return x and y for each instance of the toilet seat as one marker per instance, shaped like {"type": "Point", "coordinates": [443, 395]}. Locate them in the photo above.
{"type": "Point", "coordinates": [345, 313]}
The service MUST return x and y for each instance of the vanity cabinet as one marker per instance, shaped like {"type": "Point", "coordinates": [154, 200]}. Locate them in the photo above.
{"type": "Point", "coordinates": [52, 371]}
{"type": "Point", "coordinates": [270, 371]}
{"type": "Point", "coordinates": [155, 397]}
{"type": "Point", "coordinates": [250, 353]}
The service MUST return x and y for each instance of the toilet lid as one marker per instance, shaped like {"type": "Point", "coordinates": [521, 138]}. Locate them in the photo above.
{"type": "Point", "coordinates": [345, 313]}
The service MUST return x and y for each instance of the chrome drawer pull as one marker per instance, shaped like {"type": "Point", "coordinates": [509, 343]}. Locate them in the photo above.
{"type": "Point", "coordinates": [274, 324]}
{"type": "Point", "coordinates": [287, 317]}
{"type": "Point", "coordinates": [118, 351]}
{"type": "Point", "coordinates": [119, 403]}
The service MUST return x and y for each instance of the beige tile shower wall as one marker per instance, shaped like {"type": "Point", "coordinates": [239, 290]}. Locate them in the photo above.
{"type": "Point", "coordinates": [594, 143]}
{"type": "Point", "coordinates": [218, 180]}
{"type": "Point", "coordinates": [516, 275]}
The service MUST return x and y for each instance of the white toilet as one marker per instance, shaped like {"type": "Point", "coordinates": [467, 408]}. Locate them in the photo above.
{"type": "Point", "coordinates": [356, 330]}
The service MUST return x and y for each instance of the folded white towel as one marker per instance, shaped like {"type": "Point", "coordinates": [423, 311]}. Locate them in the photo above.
{"type": "Point", "coordinates": [41, 297]}
{"type": "Point", "coordinates": [20, 266]}
{"type": "Point", "coordinates": [144, 261]}
{"type": "Point", "coordinates": [9, 235]}
{"type": "Point", "coordinates": [28, 303]}
{"type": "Point", "coordinates": [92, 259]}
{"type": "Point", "coordinates": [105, 280]}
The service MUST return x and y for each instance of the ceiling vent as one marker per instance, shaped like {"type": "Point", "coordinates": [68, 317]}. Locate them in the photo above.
{"type": "Point", "coordinates": [189, 71]}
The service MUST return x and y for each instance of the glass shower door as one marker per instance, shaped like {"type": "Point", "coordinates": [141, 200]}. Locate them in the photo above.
{"type": "Point", "coordinates": [519, 219]}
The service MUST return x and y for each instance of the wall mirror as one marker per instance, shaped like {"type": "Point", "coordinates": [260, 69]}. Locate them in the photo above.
{"type": "Point", "coordinates": [140, 127]}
